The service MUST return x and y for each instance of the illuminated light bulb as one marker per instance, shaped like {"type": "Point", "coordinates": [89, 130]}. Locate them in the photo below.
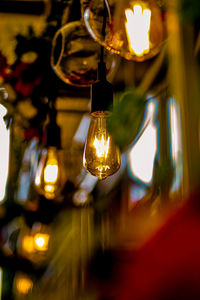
{"type": "Point", "coordinates": [134, 29]}
{"type": "Point", "coordinates": [101, 156]}
{"type": "Point", "coordinates": [49, 178]}
{"type": "Point", "coordinates": [24, 285]}
{"type": "Point", "coordinates": [28, 244]}
{"type": "Point", "coordinates": [50, 174]}
{"type": "Point", "coordinates": [137, 29]}
{"type": "Point", "coordinates": [41, 241]}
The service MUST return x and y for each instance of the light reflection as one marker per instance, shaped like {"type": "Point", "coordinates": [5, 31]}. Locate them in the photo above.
{"type": "Point", "coordinates": [142, 155]}
{"type": "Point", "coordinates": [176, 142]}
{"type": "Point", "coordinates": [175, 129]}
{"type": "Point", "coordinates": [4, 151]}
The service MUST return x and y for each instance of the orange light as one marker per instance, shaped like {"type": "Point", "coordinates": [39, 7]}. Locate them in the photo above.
{"type": "Point", "coordinates": [28, 244]}
{"type": "Point", "coordinates": [101, 156]}
{"type": "Point", "coordinates": [24, 285]}
{"type": "Point", "coordinates": [41, 241]}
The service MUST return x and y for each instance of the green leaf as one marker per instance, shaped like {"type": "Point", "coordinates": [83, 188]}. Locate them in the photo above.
{"type": "Point", "coordinates": [127, 118]}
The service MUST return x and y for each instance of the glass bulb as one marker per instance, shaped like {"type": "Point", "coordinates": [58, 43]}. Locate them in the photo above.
{"type": "Point", "coordinates": [75, 55]}
{"type": "Point", "coordinates": [134, 29]}
{"type": "Point", "coordinates": [101, 156]}
{"type": "Point", "coordinates": [49, 179]}
{"type": "Point", "coordinates": [23, 284]}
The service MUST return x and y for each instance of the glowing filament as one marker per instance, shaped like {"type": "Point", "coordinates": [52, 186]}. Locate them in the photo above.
{"type": "Point", "coordinates": [24, 285]}
{"type": "Point", "coordinates": [101, 146]}
{"type": "Point", "coordinates": [38, 242]}
{"type": "Point", "coordinates": [41, 241]}
{"type": "Point", "coordinates": [51, 172]}
{"type": "Point", "coordinates": [137, 29]}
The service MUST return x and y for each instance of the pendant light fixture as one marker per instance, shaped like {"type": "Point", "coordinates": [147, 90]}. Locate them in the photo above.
{"type": "Point", "coordinates": [75, 54]}
{"type": "Point", "coordinates": [134, 28]}
{"type": "Point", "coordinates": [50, 174]}
{"type": "Point", "coordinates": [101, 156]}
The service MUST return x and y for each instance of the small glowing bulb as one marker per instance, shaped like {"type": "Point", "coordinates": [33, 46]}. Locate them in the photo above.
{"type": "Point", "coordinates": [49, 178]}
{"type": "Point", "coordinates": [24, 285]}
{"type": "Point", "coordinates": [138, 22]}
{"type": "Point", "coordinates": [28, 244]}
{"type": "Point", "coordinates": [101, 156]}
{"type": "Point", "coordinates": [41, 241]}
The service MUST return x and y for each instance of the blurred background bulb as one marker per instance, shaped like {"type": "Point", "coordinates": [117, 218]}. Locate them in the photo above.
{"type": "Point", "coordinates": [23, 284]}
{"type": "Point", "coordinates": [34, 242]}
{"type": "Point", "coordinates": [75, 55]}
{"type": "Point", "coordinates": [41, 241]}
{"type": "Point", "coordinates": [101, 156]}
{"type": "Point", "coordinates": [49, 180]}
{"type": "Point", "coordinates": [134, 29]}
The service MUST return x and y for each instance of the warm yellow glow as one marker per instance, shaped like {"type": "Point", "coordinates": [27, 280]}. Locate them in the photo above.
{"type": "Point", "coordinates": [49, 188]}
{"type": "Point", "coordinates": [28, 244]}
{"type": "Point", "coordinates": [4, 150]}
{"type": "Point", "coordinates": [41, 241]}
{"type": "Point", "coordinates": [101, 145]}
{"type": "Point", "coordinates": [137, 26]}
{"type": "Point", "coordinates": [24, 285]}
{"type": "Point", "coordinates": [101, 156]}
{"type": "Point", "coordinates": [51, 171]}
{"type": "Point", "coordinates": [50, 174]}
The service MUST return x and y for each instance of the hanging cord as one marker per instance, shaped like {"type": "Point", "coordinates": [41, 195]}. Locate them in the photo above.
{"type": "Point", "coordinates": [103, 31]}
{"type": "Point", "coordinates": [101, 64]}
{"type": "Point", "coordinates": [53, 132]}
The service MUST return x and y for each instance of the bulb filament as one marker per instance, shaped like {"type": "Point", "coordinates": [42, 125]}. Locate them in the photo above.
{"type": "Point", "coordinates": [137, 29]}
{"type": "Point", "coordinates": [101, 146]}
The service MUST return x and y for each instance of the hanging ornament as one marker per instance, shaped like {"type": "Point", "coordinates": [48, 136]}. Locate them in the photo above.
{"type": "Point", "coordinates": [75, 54]}
{"type": "Point", "coordinates": [134, 28]}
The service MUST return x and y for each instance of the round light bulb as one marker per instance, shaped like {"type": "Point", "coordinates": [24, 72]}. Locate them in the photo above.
{"type": "Point", "coordinates": [50, 175]}
{"type": "Point", "coordinates": [101, 156]}
{"type": "Point", "coordinates": [75, 55]}
{"type": "Point", "coordinates": [24, 284]}
{"type": "Point", "coordinates": [134, 29]}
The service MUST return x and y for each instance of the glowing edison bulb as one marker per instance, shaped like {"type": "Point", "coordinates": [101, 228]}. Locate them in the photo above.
{"type": "Point", "coordinates": [49, 178]}
{"type": "Point", "coordinates": [28, 244]}
{"type": "Point", "coordinates": [24, 285]}
{"type": "Point", "coordinates": [101, 156]}
{"type": "Point", "coordinates": [137, 26]}
{"type": "Point", "coordinates": [41, 241]}
{"type": "Point", "coordinates": [135, 29]}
